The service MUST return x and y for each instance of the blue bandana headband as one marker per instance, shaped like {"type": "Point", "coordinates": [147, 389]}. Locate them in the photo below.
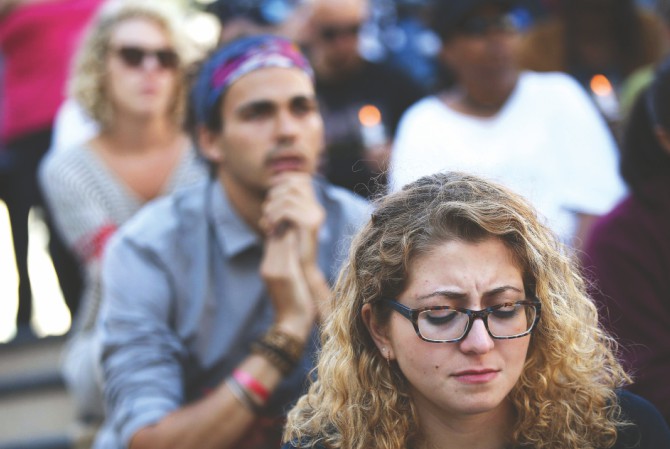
{"type": "Point", "coordinates": [240, 57]}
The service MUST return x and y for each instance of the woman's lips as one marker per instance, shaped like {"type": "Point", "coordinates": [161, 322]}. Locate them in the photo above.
{"type": "Point", "coordinates": [476, 376]}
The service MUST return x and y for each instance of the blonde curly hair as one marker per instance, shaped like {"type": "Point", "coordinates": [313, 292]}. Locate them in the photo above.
{"type": "Point", "coordinates": [566, 395]}
{"type": "Point", "coordinates": [87, 83]}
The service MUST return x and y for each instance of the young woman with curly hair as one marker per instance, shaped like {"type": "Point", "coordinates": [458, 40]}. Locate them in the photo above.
{"type": "Point", "coordinates": [130, 77]}
{"type": "Point", "coordinates": [460, 322]}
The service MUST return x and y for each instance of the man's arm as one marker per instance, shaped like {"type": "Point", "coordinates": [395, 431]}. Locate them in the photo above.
{"type": "Point", "coordinates": [142, 353]}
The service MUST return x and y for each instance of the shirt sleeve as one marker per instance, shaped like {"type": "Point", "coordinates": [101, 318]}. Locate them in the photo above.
{"type": "Point", "coordinates": [76, 205]}
{"type": "Point", "coordinates": [142, 358]}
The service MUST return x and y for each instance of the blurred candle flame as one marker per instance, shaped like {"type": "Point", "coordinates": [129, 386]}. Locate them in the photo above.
{"type": "Point", "coordinates": [601, 86]}
{"type": "Point", "coordinates": [369, 115]}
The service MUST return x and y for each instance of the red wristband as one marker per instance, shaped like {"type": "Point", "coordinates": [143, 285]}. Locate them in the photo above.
{"type": "Point", "coordinates": [248, 381]}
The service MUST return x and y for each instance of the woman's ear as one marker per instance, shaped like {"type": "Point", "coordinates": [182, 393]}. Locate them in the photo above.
{"type": "Point", "coordinates": [377, 331]}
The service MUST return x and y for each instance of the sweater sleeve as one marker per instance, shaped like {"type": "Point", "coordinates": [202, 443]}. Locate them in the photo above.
{"type": "Point", "coordinates": [77, 206]}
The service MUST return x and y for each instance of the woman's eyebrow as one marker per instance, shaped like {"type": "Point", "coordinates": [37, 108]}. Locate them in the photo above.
{"type": "Point", "coordinates": [460, 296]}
{"type": "Point", "coordinates": [502, 289]}
{"type": "Point", "coordinates": [449, 294]}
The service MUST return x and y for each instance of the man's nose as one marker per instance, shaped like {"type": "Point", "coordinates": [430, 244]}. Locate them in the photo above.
{"type": "Point", "coordinates": [287, 124]}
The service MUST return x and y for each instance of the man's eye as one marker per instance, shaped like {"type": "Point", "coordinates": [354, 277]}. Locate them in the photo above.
{"type": "Point", "coordinates": [303, 107]}
{"type": "Point", "coordinates": [257, 112]}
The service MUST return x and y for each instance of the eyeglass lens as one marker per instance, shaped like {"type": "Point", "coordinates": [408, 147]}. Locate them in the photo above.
{"type": "Point", "coordinates": [134, 56]}
{"type": "Point", "coordinates": [509, 321]}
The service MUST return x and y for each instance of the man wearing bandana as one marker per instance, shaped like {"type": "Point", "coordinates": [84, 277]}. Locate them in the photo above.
{"type": "Point", "coordinates": [212, 294]}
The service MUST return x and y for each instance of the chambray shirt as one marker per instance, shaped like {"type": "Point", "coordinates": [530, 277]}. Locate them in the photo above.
{"type": "Point", "coordinates": [183, 301]}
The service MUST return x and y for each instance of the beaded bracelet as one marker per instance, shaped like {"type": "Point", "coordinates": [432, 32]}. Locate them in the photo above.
{"type": "Point", "coordinates": [243, 395]}
{"type": "Point", "coordinates": [249, 382]}
{"type": "Point", "coordinates": [281, 349]}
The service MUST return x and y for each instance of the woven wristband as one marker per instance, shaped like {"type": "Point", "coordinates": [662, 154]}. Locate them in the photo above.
{"type": "Point", "coordinates": [281, 349]}
{"type": "Point", "coordinates": [278, 359]}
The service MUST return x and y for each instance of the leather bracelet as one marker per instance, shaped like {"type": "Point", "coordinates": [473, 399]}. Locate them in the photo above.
{"type": "Point", "coordinates": [278, 359]}
{"type": "Point", "coordinates": [281, 349]}
{"type": "Point", "coordinates": [243, 396]}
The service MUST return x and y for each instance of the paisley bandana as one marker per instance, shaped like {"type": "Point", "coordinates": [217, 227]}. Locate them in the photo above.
{"type": "Point", "coordinates": [240, 57]}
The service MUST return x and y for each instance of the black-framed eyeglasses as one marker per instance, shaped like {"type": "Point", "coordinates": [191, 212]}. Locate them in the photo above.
{"type": "Point", "coordinates": [479, 25]}
{"type": "Point", "coordinates": [446, 324]}
{"type": "Point", "coordinates": [134, 56]}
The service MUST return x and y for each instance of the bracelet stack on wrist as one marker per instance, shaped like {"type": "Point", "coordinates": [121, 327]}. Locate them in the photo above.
{"type": "Point", "coordinates": [281, 349]}
{"type": "Point", "coordinates": [243, 395]}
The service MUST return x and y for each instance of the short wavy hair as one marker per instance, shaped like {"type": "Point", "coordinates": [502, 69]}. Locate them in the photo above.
{"type": "Point", "coordinates": [87, 82]}
{"type": "Point", "coordinates": [566, 395]}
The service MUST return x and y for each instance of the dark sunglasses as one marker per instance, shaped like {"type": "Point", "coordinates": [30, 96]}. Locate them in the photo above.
{"type": "Point", "coordinates": [479, 26]}
{"type": "Point", "coordinates": [330, 33]}
{"type": "Point", "coordinates": [134, 56]}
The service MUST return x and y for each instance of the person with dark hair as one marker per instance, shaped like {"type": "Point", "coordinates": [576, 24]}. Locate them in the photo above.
{"type": "Point", "coordinates": [588, 38]}
{"type": "Point", "coordinates": [628, 252]}
{"type": "Point", "coordinates": [211, 295]}
{"type": "Point", "coordinates": [361, 100]}
{"type": "Point", "coordinates": [537, 133]}
{"type": "Point", "coordinates": [459, 322]}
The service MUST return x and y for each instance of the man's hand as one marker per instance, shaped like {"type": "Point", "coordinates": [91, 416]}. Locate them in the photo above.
{"type": "Point", "coordinates": [291, 202]}
{"type": "Point", "coordinates": [295, 310]}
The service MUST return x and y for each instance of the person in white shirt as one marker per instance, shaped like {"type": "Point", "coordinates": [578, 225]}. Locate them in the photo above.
{"type": "Point", "coordinates": [539, 134]}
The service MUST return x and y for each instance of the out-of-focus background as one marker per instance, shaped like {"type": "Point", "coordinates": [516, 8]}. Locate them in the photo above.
{"type": "Point", "coordinates": [35, 410]}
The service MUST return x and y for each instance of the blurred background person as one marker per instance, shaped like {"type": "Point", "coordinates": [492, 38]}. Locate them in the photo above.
{"type": "Point", "coordinates": [130, 77]}
{"type": "Point", "coordinates": [595, 38]}
{"type": "Point", "coordinates": [240, 18]}
{"type": "Point", "coordinates": [536, 133]}
{"type": "Point", "coordinates": [643, 76]}
{"type": "Point", "coordinates": [37, 39]}
{"type": "Point", "coordinates": [361, 101]}
{"type": "Point", "coordinates": [628, 252]}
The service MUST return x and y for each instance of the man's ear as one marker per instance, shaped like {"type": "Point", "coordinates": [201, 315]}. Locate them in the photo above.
{"type": "Point", "coordinates": [210, 146]}
{"type": "Point", "coordinates": [378, 332]}
{"type": "Point", "coordinates": [663, 137]}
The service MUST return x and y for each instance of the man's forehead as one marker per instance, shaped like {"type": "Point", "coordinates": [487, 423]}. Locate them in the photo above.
{"type": "Point", "coordinates": [270, 85]}
{"type": "Point", "coordinates": [339, 10]}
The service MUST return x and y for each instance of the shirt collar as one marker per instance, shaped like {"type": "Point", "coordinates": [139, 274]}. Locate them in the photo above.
{"type": "Point", "coordinates": [234, 236]}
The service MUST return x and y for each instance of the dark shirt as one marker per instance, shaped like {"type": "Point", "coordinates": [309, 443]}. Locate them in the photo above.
{"type": "Point", "coordinates": [380, 85]}
{"type": "Point", "coordinates": [628, 258]}
{"type": "Point", "coordinates": [649, 430]}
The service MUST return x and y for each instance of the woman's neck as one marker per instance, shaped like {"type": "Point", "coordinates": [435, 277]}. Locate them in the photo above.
{"type": "Point", "coordinates": [140, 136]}
{"type": "Point", "coordinates": [489, 430]}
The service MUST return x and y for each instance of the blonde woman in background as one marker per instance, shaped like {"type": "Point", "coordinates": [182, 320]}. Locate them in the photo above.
{"type": "Point", "coordinates": [130, 77]}
{"type": "Point", "coordinates": [459, 322]}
